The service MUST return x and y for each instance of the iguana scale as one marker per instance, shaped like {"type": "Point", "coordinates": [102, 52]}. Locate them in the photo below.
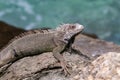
{"type": "Point", "coordinates": [40, 41]}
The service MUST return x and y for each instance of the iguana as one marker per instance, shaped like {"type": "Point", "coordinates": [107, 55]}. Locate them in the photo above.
{"type": "Point", "coordinates": [39, 41]}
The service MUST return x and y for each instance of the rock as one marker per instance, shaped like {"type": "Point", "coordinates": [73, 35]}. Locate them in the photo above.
{"type": "Point", "coordinates": [43, 67]}
{"type": "Point", "coordinates": [10, 28]}
{"type": "Point", "coordinates": [93, 47]}
{"type": "Point", "coordinates": [92, 35]}
{"type": "Point", "coordinates": [105, 67]}
{"type": "Point", "coordinates": [7, 32]}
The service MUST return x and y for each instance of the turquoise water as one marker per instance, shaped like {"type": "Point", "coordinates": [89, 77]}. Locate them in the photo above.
{"type": "Point", "coordinates": [98, 16]}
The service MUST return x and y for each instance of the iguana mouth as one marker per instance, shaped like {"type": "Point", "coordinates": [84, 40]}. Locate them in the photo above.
{"type": "Point", "coordinates": [73, 30]}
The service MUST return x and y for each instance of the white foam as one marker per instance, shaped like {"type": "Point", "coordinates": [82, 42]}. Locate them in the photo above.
{"type": "Point", "coordinates": [30, 26]}
{"type": "Point", "coordinates": [27, 7]}
{"type": "Point", "coordinates": [24, 4]}
{"type": "Point", "coordinates": [2, 13]}
{"type": "Point", "coordinates": [23, 17]}
{"type": "Point", "coordinates": [38, 18]}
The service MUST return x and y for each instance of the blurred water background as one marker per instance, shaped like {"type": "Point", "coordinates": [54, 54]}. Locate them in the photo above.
{"type": "Point", "coordinates": [101, 17]}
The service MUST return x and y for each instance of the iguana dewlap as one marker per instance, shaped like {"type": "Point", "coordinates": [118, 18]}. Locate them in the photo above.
{"type": "Point", "coordinates": [39, 42]}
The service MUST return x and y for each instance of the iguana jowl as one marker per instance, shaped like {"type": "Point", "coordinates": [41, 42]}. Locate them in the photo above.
{"type": "Point", "coordinates": [39, 42]}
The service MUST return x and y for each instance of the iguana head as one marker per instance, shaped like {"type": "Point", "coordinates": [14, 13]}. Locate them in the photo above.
{"type": "Point", "coordinates": [70, 30]}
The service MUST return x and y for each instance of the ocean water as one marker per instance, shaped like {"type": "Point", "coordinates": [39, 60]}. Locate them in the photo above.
{"type": "Point", "coordinates": [98, 16]}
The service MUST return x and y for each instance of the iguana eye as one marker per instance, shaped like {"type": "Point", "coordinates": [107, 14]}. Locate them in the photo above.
{"type": "Point", "coordinates": [72, 27]}
{"type": "Point", "coordinates": [66, 39]}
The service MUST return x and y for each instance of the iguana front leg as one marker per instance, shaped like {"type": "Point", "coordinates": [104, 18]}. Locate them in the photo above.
{"type": "Point", "coordinates": [59, 57]}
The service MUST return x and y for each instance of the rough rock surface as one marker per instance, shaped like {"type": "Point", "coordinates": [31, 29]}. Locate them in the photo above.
{"type": "Point", "coordinates": [105, 67]}
{"type": "Point", "coordinates": [93, 47]}
{"type": "Point", "coordinates": [43, 67]}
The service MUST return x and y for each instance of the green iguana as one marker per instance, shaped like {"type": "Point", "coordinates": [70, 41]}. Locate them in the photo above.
{"type": "Point", "coordinates": [40, 41]}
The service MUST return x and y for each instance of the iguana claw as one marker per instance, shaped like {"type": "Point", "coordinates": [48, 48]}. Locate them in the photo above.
{"type": "Point", "coordinates": [65, 68]}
